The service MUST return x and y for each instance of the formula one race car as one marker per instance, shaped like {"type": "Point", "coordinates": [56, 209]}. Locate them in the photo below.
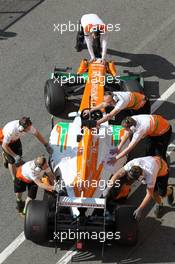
{"type": "Point", "coordinates": [62, 85]}
{"type": "Point", "coordinates": [80, 152]}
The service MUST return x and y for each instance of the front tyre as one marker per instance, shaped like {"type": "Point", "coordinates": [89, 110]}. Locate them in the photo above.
{"type": "Point", "coordinates": [54, 98]}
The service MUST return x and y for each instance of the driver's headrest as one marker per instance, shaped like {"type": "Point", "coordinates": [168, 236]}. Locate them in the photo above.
{"type": "Point", "coordinates": [89, 123]}
{"type": "Point", "coordinates": [88, 120]}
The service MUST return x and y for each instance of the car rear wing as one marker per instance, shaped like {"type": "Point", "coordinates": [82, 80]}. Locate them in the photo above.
{"type": "Point", "coordinates": [75, 203]}
{"type": "Point", "coordinates": [99, 203]}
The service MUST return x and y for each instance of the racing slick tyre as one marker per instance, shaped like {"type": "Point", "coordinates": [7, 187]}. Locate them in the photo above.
{"type": "Point", "coordinates": [132, 86]}
{"type": "Point", "coordinates": [126, 224]}
{"type": "Point", "coordinates": [54, 97]}
{"type": "Point", "coordinates": [36, 221]}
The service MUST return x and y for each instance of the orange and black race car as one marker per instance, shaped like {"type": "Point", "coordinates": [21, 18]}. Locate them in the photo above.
{"type": "Point", "coordinates": [80, 152]}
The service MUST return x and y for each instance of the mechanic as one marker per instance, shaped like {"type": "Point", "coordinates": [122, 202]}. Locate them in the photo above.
{"type": "Point", "coordinates": [137, 102]}
{"type": "Point", "coordinates": [118, 193]}
{"type": "Point", "coordinates": [10, 136]}
{"type": "Point", "coordinates": [93, 30]}
{"type": "Point", "coordinates": [30, 175]}
{"type": "Point", "coordinates": [138, 127]}
{"type": "Point", "coordinates": [152, 171]}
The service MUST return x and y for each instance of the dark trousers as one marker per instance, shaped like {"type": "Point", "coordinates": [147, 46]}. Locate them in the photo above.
{"type": "Point", "coordinates": [161, 185]}
{"type": "Point", "coordinates": [159, 145]}
{"type": "Point", "coordinates": [20, 187]}
{"type": "Point", "coordinates": [79, 39]}
{"type": "Point", "coordinates": [80, 43]}
{"type": "Point", "coordinates": [16, 147]}
{"type": "Point", "coordinates": [145, 110]}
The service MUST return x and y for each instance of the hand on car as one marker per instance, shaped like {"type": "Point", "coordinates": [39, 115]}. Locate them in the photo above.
{"type": "Point", "coordinates": [105, 192]}
{"type": "Point", "coordinates": [51, 188]}
{"type": "Point", "coordinates": [92, 60]}
{"type": "Point", "coordinates": [137, 214]}
{"type": "Point", "coordinates": [98, 124]}
{"type": "Point", "coordinates": [114, 151]}
{"type": "Point", "coordinates": [111, 161]}
{"type": "Point", "coordinates": [103, 61]}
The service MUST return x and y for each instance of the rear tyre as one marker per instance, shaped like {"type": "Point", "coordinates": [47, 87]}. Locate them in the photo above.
{"type": "Point", "coordinates": [54, 98]}
{"type": "Point", "coordinates": [132, 86]}
{"type": "Point", "coordinates": [126, 224]}
{"type": "Point", "coordinates": [36, 221]}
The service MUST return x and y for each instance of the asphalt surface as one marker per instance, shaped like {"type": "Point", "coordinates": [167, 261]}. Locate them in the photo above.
{"type": "Point", "coordinates": [29, 49]}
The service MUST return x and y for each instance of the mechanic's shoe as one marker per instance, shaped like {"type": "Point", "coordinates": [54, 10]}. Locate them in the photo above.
{"type": "Point", "coordinates": [170, 197]}
{"type": "Point", "coordinates": [23, 213]}
{"type": "Point", "coordinates": [20, 206]}
{"type": "Point", "coordinates": [79, 47]}
{"type": "Point", "coordinates": [4, 160]}
{"type": "Point", "coordinates": [158, 210]}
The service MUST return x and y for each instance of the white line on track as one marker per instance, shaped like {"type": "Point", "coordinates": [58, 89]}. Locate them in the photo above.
{"type": "Point", "coordinates": [12, 247]}
{"type": "Point", "coordinates": [155, 33]}
{"type": "Point", "coordinates": [163, 98]}
{"type": "Point", "coordinates": [68, 256]}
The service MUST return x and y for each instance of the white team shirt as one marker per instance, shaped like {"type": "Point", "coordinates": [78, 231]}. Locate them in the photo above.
{"type": "Point", "coordinates": [149, 166]}
{"type": "Point", "coordinates": [94, 20]}
{"type": "Point", "coordinates": [122, 100]}
{"type": "Point", "coordinates": [11, 131]}
{"type": "Point", "coordinates": [28, 171]}
{"type": "Point", "coordinates": [141, 128]}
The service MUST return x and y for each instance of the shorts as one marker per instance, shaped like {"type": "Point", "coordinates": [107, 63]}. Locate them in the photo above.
{"type": "Point", "coordinates": [161, 185]}
{"type": "Point", "coordinates": [20, 187]}
{"type": "Point", "coordinates": [16, 147]}
{"type": "Point", "coordinates": [122, 191]}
